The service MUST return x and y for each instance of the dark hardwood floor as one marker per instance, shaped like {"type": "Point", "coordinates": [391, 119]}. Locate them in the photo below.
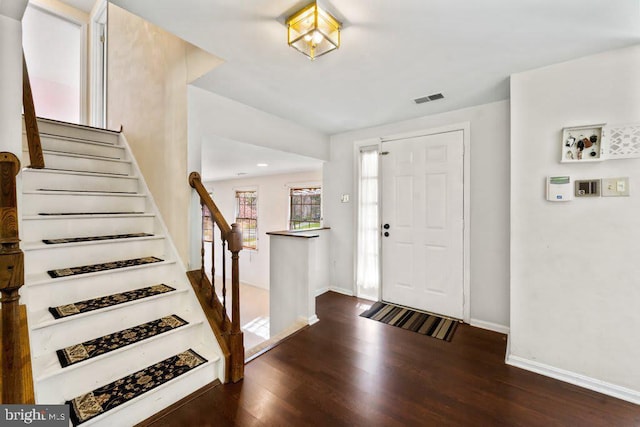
{"type": "Point", "coordinates": [351, 371]}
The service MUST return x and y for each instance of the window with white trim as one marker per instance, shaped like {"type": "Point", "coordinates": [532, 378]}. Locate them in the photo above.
{"type": "Point", "coordinates": [305, 208]}
{"type": "Point", "coordinates": [247, 217]}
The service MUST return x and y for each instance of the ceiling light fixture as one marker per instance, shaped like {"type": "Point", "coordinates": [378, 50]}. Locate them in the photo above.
{"type": "Point", "coordinates": [313, 31]}
{"type": "Point", "coordinates": [262, 165]}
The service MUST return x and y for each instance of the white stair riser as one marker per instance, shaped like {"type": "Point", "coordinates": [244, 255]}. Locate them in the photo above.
{"type": "Point", "coordinates": [64, 256]}
{"type": "Point", "coordinates": [57, 228]}
{"type": "Point", "coordinates": [60, 335]}
{"type": "Point", "coordinates": [158, 399]}
{"type": "Point", "coordinates": [82, 287]}
{"type": "Point", "coordinates": [51, 128]}
{"type": "Point", "coordinates": [112, 366]}
{"type": "Point", "coordinates": [56, 143]}
{"type": "Point", "coordinates": [82, 164]}
{"type": "Point", "coordinates": [39, 180]}
{"type": "Point", "coordinates": [34, 204]}
{"type": "Point", "coordinates": [40, 292]}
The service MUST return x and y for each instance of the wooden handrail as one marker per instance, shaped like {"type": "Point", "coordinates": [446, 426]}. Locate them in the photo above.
{"type": "Point", "coordinates": [196, 183]}
{"type": "Point", "coordinates": [30, 120]}
{"type": "Point", "coordinates": [231, 237]}
{"type": "Point", "coordinates": [15, 384]}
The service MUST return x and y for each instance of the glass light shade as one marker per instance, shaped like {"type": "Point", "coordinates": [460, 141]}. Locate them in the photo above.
{"type": "Point", "coordinates": [313, 31]}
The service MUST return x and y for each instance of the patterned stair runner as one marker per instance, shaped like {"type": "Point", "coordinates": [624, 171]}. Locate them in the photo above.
{"type": "Point", "coordinates": [105, 398]}
{"type": "Point", "coordinates": [86, 350]}
{"type": "Point", "coordinates": [95, 238]}
{"type": "Point", "coordinates": [107, 301]}
{"type": "Point", "coordinates": [83, 269]}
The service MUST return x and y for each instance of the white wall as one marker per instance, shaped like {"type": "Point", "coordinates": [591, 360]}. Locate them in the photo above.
{"type": "Point", "coordinates": [489, 203]}
{"type": "Point", "coordinates": [11, 76]}
{"type": "Point", "coordinates": [575, 295]}
{"type": "Point", "coordinates": [147, 77]}
{"type": "Point", "coordinates": [273, 211]}
{"type": "Point", "coordinates": [11, 84]}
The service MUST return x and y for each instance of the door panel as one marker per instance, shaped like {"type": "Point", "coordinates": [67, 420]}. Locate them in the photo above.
{"type": "Point", "coordinates": [422, 201]}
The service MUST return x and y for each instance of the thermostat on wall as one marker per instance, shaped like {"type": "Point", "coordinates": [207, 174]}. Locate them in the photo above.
{"type": "Point", "coordinates": [559, 189]}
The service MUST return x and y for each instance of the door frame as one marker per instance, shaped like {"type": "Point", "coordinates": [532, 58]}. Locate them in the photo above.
{"type": "Point", "coordinates": [465, 127]}
{"type": "Point", "coordinates": [98, 65]}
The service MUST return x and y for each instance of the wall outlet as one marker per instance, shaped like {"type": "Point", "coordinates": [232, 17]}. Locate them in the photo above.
{"type": "Point", "coordinates": [587, 188]}
{"type": "Point", "coordinates": [615, 187]}
{"type": "Point", "coordinates": [344, 198]}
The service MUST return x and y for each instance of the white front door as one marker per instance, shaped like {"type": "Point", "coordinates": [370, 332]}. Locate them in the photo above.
{"type": "Point", "coordinates": [423, 222]}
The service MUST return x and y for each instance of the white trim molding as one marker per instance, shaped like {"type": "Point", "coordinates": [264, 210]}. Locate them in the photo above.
{"type": "Point", "coordinates": [343, 291]}
{"type": "Point", "coordinates": [98, 64]}
{"type": "Point", "coordinates": [490, 326]}
{"type": "Point", "coordinates": [321, 291]}
{"type": "Point", "coordinates": [580, 380]}
{"type": "Point", "coordinates": [313, 320]}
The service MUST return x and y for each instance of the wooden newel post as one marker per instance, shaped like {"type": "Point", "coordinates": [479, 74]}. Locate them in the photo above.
{"type": "Point", "coordinates": [11, 279]}
{"type": "Point", "coordinates": [237, 348]}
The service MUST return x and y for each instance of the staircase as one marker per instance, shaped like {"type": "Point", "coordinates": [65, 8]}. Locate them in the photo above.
{"type": "Point", "coordinates": [106, 292]}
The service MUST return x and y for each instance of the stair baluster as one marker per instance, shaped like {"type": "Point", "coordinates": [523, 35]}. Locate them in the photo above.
{"type": "Point", "coordinates": [204, 219]}
{"type": "Point", "coordinates": [224, 289]}
{"type": "Point", "coordinates": [213, 259]}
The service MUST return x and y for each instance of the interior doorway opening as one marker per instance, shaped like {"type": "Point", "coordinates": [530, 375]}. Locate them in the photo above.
{"type": "Point", "coordinates": [54, 49]}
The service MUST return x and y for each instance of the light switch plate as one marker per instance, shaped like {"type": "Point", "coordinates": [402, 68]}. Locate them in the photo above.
{"type": "Point", "coordinates": [615, 187]}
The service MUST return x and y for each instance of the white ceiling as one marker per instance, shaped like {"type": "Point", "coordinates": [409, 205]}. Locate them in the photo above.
{"type": "Point", "coordinates": [241, 158]}
{"type": "Point", "coordinates": [391, 53]}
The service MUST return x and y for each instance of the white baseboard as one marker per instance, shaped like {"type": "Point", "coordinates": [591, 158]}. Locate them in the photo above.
{"type": "Point", "coordinates": [580, 380]}
{"type": "Point", "coordinates": [343, 291]}
{"type": "Point", "coordinates": [266, 288]}
{"type": "Point", "coordinates": [321, 291]}
{"type": "Point", "coordinates": [508, 352]}
{"type": "Point", "coordinates": [333, 289]}
{"type": "Point", "coordinates": [313, 320]}
{"type": "Point", "coordinates": [490, 326]}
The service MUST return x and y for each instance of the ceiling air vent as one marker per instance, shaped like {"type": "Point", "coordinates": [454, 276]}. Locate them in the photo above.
{"type": "Point", "coordinates": [429, 98]}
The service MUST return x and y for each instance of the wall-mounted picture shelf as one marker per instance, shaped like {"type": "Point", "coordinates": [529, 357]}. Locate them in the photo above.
{"type": "Point", "coordinates": [583, 144]}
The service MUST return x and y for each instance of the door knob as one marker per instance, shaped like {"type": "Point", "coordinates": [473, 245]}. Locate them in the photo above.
{"type": "Point", "coordinates": [386, 226]}
{"type": "Point", "coordinates": [386, 234]}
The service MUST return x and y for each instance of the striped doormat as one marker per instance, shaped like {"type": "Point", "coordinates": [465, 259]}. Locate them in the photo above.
{"type": "Point", "coordinates": [405, 318]}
